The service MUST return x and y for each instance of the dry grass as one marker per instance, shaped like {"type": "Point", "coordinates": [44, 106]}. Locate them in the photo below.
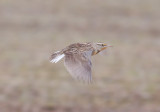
{"type": "Point", "coordinates": [127, 80]}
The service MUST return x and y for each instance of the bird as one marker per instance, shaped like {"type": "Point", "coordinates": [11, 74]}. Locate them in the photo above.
{"type": "Point", "coordinates": [77, 59]}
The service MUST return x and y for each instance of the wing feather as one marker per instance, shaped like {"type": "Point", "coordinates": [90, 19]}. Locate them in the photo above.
{"type": "Point", "coordinates": [79, 66]}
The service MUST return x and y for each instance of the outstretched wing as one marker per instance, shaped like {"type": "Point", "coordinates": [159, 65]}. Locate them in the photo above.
{"type": "Point", "coordinates": [79, 66]}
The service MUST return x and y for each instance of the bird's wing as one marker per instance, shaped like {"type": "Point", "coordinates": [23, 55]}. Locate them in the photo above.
{"type": "Point", "coordinates": [79, 66]}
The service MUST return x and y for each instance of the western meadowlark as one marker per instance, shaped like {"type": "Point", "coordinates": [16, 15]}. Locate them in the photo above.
{"type": "Point", "coordinates": [78, 59]}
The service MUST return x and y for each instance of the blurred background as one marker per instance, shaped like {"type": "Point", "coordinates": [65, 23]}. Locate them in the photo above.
{"type": "Point", "coordinates": [126, 80]}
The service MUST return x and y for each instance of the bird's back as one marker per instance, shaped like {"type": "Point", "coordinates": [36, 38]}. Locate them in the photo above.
{"type": "Point", "coordinates": [77, 48]}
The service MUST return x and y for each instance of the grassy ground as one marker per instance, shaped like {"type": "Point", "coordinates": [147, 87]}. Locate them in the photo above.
{"type": "Point", "coordinates": [127, 80]}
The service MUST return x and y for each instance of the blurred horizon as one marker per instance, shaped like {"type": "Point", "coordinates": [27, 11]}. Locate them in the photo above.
{"type": "Point", "coordinates": [126, 79]}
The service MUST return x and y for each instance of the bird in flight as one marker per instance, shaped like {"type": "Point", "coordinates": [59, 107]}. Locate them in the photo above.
{"type": "Point", "coordinates": [77, 59]}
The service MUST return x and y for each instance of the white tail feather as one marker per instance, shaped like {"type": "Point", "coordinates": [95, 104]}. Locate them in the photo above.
{"type": "Point", "coordinates": [57, 58]}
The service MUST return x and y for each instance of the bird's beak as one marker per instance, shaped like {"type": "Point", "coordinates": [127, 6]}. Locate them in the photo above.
{"type": "Point", "coordinates": [105, 46]}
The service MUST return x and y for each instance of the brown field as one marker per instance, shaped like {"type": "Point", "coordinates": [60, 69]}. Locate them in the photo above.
{"type": "Point", "coordinates": [126, 80]}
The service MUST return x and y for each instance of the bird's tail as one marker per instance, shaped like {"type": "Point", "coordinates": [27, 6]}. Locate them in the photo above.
{"type": "Point", "coordinates": [57, 56]}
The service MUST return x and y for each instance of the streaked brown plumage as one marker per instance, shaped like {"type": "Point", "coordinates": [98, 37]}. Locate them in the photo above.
{"type": "Point", "coordinates": [78, 59]}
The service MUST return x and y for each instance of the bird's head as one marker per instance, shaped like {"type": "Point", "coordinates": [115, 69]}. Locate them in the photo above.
{"type": "Point", "coordinates": [100, 47]}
